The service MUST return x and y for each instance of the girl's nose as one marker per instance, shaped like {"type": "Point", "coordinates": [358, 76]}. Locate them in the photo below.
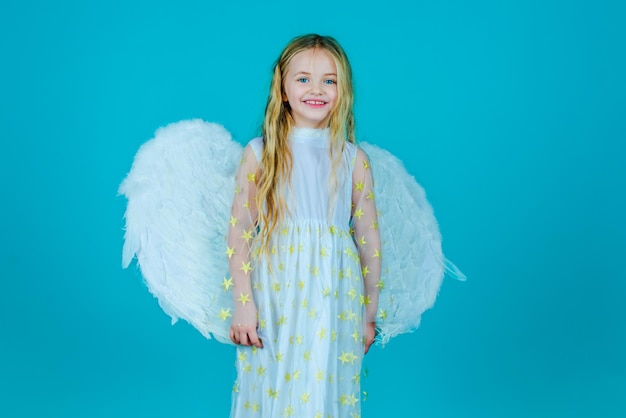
{"type": "Point", "coordinates": [316, 87]}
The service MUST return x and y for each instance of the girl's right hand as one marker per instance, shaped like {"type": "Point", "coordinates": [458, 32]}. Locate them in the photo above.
{"type": "Point", "coordinates": [243, 326]}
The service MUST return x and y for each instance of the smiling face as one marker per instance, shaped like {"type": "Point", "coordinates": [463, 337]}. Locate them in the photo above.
{"type": "Point", "coordinates": [310, 88]}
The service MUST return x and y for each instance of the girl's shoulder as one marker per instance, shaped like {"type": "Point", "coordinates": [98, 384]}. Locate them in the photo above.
{"type": "Point", "coordinates": [256, 144]}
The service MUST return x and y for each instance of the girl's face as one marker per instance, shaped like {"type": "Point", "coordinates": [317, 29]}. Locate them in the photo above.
{"type": "Point", "coordinates": [310, 87]}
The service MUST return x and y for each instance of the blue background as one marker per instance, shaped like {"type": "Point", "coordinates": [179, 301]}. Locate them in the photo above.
{"type": "Point", "coordinates": [510, 114]}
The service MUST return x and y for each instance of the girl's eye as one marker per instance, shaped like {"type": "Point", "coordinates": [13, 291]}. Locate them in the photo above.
{"type": "Point", "coordinates": [303, 80]}
{"type": "Point", "coordinates": [330, 82]}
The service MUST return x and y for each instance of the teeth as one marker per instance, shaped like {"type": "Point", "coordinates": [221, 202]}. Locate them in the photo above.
{"type": "Point", "coordinates": [314, 102]}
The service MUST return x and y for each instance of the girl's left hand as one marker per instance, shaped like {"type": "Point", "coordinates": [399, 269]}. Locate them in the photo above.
{"type": "Point", "coordinates": [370, 335]}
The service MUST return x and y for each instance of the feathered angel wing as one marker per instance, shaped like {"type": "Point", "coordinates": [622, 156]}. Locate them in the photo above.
{"type": "Point", "coordinates": [180, 190]}
{"type": "Point", "coordinates": [413, 262]}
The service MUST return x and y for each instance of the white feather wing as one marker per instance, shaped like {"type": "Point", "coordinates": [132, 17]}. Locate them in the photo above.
{"type": "Point", "coordinates": [413, 262]}
{"type": "Point", "coordinates": [180, 190]}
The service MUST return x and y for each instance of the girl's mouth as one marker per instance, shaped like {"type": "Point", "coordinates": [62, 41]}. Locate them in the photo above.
{"type": "Point", "coordinates": [315, 103]}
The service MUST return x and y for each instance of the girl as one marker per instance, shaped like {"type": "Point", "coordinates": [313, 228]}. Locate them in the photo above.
{"type": "Point", "coordinates": [305, 297]}
{"type": "Point", "coordinates": [303, 245]}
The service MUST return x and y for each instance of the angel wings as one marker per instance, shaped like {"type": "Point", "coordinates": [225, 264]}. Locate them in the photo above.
{"type": "Point", "coordinates": [180, 190]}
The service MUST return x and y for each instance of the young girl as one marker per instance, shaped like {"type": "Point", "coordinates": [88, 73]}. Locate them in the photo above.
{"type": "Point", "coordinates": [306, 296]}
{"type": "Point", "coordinates": [303, 245]}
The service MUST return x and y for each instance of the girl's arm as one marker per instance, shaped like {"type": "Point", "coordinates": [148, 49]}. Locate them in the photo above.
{"type": "Point", "coordinates": [241, 231]}
{"type": "Point", "coordinates": [367, 238]}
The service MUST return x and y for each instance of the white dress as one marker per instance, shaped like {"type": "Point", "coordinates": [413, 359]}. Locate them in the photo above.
{"type": "Point", "coordinates": [311, 296]}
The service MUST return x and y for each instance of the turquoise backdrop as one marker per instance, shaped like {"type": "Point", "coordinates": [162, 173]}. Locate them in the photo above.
{"type": "Point", "coordinates": [511, 114]}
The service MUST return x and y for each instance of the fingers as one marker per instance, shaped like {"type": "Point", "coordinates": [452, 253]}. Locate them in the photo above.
{"type": "Point", "coordinates": [245, 335]}
{"type": "Point", "coordinates": [254, 339]}
{"type": "Point", "coordinates": [243, 338]}
{"type": "Point", "coordinates": [370, 335]}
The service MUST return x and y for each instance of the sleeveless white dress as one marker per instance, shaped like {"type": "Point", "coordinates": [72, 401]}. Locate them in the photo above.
{"type": "Point", "coordinates": [310, 294]}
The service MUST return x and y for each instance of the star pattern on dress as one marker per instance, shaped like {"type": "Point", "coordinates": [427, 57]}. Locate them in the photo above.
{"type": "Point", "coordinates": [332, 262]}
{"type": "Point", "coordinates": [272, 393]}
{"type": "Point", "coordinates": [246, 267]}
{"type": "Point", "coordinates": [347, 357]}
{"type": "Point", "coordinates": [227, 283]}
{"type": "Point", "coordinates": [224, 314]}
{"type": "Point", "coordinates": [244, 298]}
{"type": "Point", "coordinates": [247, 235]}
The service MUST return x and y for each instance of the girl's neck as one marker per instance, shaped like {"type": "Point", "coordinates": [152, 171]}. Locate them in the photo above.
{"type": "Point", "coordinates": [310, 136]}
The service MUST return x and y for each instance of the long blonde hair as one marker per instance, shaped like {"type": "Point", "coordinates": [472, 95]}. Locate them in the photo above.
{"type": "Point", "coordinates": [276, 159]}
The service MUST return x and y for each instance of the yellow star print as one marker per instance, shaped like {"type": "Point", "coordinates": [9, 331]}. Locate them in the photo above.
{"type": "Point", "coordinates": [383, 314]}
{"type": "Point", "coordinates": [321, 333]}
{"type": "Point", "coordinates": [357, 377]}
{"type": "Point", "coordinates": [272, 393]}
{"type": "Point", "coordinates": [224, 314]}
{"type": "Point", "coordinates": [358, 213]}
{"type": "Point", "coordinates": [376, 254]}
{"type": "Point", "coordinates": [347, 357]}
{"type": "Point", "coordinates": [370, 195]}
{"type": "Point", "coordinates": [244, 298]}
{"type": "Point", "coordinates": [365, 271]}
{"type": "Point", "coordinates": [233, 221]}
{"type": "Point", "coordinates": [319, 375]}
{"type": "Point", "coordinates": [247, 235]}
{"type": "Point", "coordinates": [227, 283]}
{"type": "Point", "coordinates": [359, 186]}
{"type": "Point", "coordinates": [261, 370]}
{"type": "Point", "coordinates": [230, 251]}
{"type": "Point", "coordinates": [251, 177]}
{"type": "Point", "coordinates": [246, 267]}
{"type": "Point", "coordinates": [305, 397]}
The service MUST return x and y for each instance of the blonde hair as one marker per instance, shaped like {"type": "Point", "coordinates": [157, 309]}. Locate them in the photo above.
{"type": "Point", "coordinates": [276, 159]}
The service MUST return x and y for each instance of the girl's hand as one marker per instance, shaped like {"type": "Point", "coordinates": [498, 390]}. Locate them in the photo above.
{"type": "Point", "coordinates": [370, 335]}
{"type": "Point", "coordinates": [243, 326]}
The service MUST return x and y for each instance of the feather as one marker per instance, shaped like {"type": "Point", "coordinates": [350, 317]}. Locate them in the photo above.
{"type": "Point", "coordinates": [179, 190]}
{"type": "Point", "coordinates": [413, 262]}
